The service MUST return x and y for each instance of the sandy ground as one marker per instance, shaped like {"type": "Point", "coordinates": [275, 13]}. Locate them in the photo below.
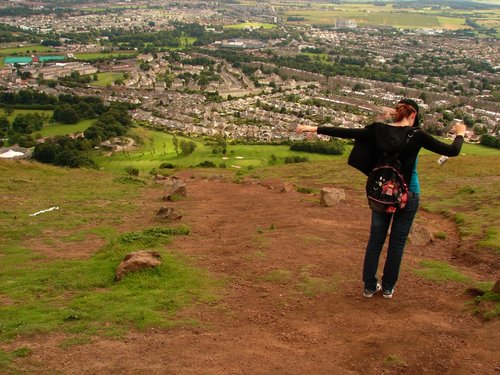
{"type": "Point", "coordinates": [266, 324]}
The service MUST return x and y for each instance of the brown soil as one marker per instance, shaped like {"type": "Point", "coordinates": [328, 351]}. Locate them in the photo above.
{"type": "Point", "coordinates": [306, 317]}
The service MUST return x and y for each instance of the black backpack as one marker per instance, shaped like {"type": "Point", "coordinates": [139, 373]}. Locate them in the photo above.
{"type": "Point", "coordinates": [386, 188]}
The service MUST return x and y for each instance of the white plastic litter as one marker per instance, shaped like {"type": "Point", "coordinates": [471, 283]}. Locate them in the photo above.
{"type": "Point", "coordinates": [43, 211]}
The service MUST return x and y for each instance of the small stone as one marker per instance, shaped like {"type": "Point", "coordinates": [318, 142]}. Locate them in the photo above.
{"type": "Point", "coordinates": [168, 213]}
{"type": "Point", "coordinates": [287, 188]}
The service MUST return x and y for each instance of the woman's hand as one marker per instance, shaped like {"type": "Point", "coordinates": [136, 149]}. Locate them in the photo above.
{"type": "Point", "coordinates": [459, 128]}
{"type": "Point", "coordinates": [306, 129]}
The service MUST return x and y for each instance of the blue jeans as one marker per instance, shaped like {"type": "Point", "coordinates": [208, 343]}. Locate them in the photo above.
{"type": "Point", "coordinates": [400, 228]}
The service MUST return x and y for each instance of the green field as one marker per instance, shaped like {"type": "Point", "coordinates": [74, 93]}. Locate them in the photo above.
{"type": "Point", "coordinates": [51, 129]}
{"type": "Point", "coordinates": [44, 112]}
{"type": "Point", "coordinates": [363, 18]}
{"type": "Point", "coordinates": [254, 25]}
{"type": "Point", "coordinates": [238, 155]}
{"type": "Point", "coordinates": [26, 50]}
{"type": "Point", "coordinates": [107, 78]}
{"type": "Point", "coordinates": [99, 55]}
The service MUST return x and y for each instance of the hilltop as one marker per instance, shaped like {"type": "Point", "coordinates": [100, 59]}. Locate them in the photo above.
{"type": "Point", "coordinates": [273, 280]}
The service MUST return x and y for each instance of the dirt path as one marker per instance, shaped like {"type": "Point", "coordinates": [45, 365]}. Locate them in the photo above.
{"type": "Point", "coordinates": [292, 302]}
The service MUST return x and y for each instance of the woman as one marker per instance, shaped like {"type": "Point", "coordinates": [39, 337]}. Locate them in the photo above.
{"type": "Point", "coordinates": [403, 136]}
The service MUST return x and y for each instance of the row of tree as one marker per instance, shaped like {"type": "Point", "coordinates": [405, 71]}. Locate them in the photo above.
{"type": "Point", "coordinates": [332, 147]}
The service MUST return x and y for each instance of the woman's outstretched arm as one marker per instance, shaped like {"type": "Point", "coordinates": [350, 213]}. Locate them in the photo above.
{"type": "Point", "coordinates": [432, 144]}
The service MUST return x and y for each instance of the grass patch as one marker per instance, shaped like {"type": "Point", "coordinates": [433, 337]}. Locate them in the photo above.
{"type": "Point", "coordinates": [81, 295]}
{"type": "Point", "coordinates": [51, 130]}
{"type": "Point", "coordinates": [394, 360]}
{"type": "Point", "coordinates": [107, 78]}
{"type": "Point", "coordinates": [25, 50]}
{"type": "Point", "coordinates": [312, 286]}
{"type": "Point", "coordinates": [440, 272]}
{"type": "Point", "coordinates": [305, 190]}
{"type": "Point", "coordinates": [278, 277]}
{"type": "Point", "coordinates": [440, 235]}
{"type": "Point", "coordinates": [106, 233]}
{"type": "Point", "coordinates": [6, 359]}
{"type": "Point", "coordinates": [487, 306]}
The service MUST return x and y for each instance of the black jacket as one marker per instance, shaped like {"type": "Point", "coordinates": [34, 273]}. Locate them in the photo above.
{"type": "Point", "coordinates": [378, 138]}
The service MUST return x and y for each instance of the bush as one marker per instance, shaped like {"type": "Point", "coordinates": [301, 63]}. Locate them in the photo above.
{"type": "Point", "coordinates": [207, 164]}
{"type": "Point", "coordinates": [187, 148]}
{"type": "Point", "coordinates": [305, 190]}
{"type": "Point", "coordinates": [222, 165]}
{"type": "Point", "coordinates": [131, 171]}
{"type": "Point", "coordinates": [167, 166]}
{"type": "Point", "coordinates": [296, 159]}
{"type": "Point", "coordinates": [333, 147]}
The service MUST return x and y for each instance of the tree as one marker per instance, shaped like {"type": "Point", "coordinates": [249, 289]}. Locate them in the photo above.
{"type": "Point", "coordinates": [4, 126]}
{"type": "Point", "coordinates": [187, 147]}
{"type": "Point", "coordinates": [175, 142]}
{"type": "Point", "coordinates": [66, 114]}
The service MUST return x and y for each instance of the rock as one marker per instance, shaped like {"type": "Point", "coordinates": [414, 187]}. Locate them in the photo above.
{"type": "Point", "coordinates": [496, 287]}
{"type": "Point", "coordinates": [159, 177]}
{"type": "Point", "coordinates": [174, 187]}
{"type": "Point", "coordinates": [287, 188]}
{"type": "Point", "coordinates": [420, 235]}
{"type": "Point", "coordinates": [168, 213]}
{"type": "Point", "coordinates": [330, 196]}
{"type": "Point", "coordinates": [137, 261]}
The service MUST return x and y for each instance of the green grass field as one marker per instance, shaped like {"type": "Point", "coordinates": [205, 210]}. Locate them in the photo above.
{"type": "Point", "coordinates": [254, 25]}
{"type": "Point", "coordinates": [51, 129]}
{"type": "Point", "coordinates": [26, 50]}
{"type": "Point", "coordinates": [76, 293]}
{"type": "Point", "coordinates": [239, 155]}
{"type": "Point", "coordinates": [379, 18]}
{"type": "Point", "coordinates": [98, 55]}
{"type": "Point", "coordinates": [107, 78]}
{"type": "Point", "coordinates": [44, 112]}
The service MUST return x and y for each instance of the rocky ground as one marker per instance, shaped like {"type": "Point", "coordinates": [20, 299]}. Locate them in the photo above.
{"type": "Point", "coordinates": [292, 301]}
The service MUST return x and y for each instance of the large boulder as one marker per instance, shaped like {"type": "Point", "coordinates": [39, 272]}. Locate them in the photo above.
{"type": "Point", "coordinates": [420, 235]}
{"type": "Point", "coordinates": [174, 187]}
{"type": "Point", "coordinates": [168, 213]}
{"type": "Point", "coordinates": [137, 261]}
{"type": "Point", "coordinates": [331, 196]}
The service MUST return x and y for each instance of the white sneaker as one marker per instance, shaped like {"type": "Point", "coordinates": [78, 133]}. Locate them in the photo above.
{"type": "Point", "coordinates": [387, 293]}
{"type": "Point", "coordinates": [368, 293]}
